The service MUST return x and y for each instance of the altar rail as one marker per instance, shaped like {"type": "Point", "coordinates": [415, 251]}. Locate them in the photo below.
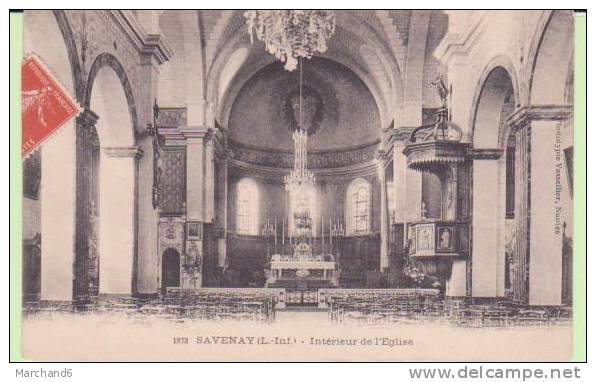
{"type": "Point", "coordinates": [347, 303]}
{"type": "Point", "coordinates": [230, 300]}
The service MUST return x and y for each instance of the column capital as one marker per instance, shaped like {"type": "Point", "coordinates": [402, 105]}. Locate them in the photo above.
{"type": "Point", "coordinates": [525, 114]}
{"type": "Point", "coordinates": [484, 154]}
{"type": "Point", "coordinates": [199, 133]}
{"type": "Point", "coordinates": [123, 152]}
{"type": "Point", "coordinates": [396, 137]}
{"type": "Point", "coordinates": [87, 118]}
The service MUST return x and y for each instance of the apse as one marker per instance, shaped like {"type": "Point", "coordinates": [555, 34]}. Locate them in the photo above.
{"type": "Point", "coordinates": [341, 110]}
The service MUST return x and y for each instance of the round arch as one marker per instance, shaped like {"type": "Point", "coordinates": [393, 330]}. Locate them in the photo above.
{"type": "Point", "coordinates": [497, 90]}
{"type": "Point", "coordinates": [551, 58]}
{"type": "Point", "coordinates": [496, 97]}
{"type": "Point", "coordinates": [71, 49]}
{"type": "Point", "coordinates": [112, 174]}
{"type": "Point", "coordinates": [106, 59]}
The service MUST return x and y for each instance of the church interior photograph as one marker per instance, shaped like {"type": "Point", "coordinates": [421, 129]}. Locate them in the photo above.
{"type": "Point", "coordinates": [370, 166]}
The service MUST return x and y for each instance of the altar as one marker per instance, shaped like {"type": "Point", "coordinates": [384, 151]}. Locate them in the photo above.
{"type": "Point", "coordinates": [301, 270]}
{"type": "Point", "coordinates": [304, 272]}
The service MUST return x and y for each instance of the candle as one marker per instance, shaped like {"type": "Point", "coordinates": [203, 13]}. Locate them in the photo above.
{"type": "Point", "coordinates": [322, 235]}
{"type": "Point", "coordinates": [275, 228]}
{"type": "Point", "coordinates": [330, 237]}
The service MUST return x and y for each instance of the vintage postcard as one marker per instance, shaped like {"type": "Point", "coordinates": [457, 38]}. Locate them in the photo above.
{"type": "Point", "coordinates": [297, 185]}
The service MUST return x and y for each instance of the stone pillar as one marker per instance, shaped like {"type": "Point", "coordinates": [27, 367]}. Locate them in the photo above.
{"type": "Point", "coordinates": [196, 194]}
{"type": "Point", "coordinates": [539, 135]}
{"type": "Point", "coordinates": [85, 272]}
{"type": "Point", "coordinates": [147, 278]}
{"type": "Point", "coordinates": [407, 183]}
{"type": "Point", "coordinates": [58, 202]}
{"type": "Point", "coordinates": [209, 181]}
{"type": "Point", "coordinates": [222, 213]}
{"type": "Point", "coordinates": [384, 263]}
{"type": "Point", "coordinates": [195, 170]}
{"type": "Point", "coordinates": [547, 174]}
{"type": "Point", "coordinates": [522, 220]}
{"type": "Point", "coordinates": [117, 244]}
{"type": "Point", "coordinates": [147, 262]}
{"type": "Point", "coordinates": [399, 181]}
{"type": "Point", "coordinates": [487, 218]}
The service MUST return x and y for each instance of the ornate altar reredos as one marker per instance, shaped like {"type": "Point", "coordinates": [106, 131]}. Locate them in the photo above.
{"type": "Point", "coordinates": [302, 266]}
{"type": "Point", "coordinates": [434, 244]}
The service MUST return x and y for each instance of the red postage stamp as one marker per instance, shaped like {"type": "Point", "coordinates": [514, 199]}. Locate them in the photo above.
{"type": "Point", "coordinates": [45, 105]}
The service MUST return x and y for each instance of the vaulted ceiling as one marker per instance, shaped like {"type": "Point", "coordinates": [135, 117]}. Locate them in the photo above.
{"type": "Point", "coordinates": [386, 50]}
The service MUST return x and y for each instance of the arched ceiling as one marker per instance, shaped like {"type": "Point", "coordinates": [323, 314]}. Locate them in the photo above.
{"type": "Point", "coordinates": [390, 51]}
{"type": "Point", "coordinates": [369, 43]}
{"type": "Point", "coordinates": [338, 109]}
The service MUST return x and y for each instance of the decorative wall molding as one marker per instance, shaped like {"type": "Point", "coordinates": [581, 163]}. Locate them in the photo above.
{"type": "Point", "coordinates": [480, 154]}
{"type": "Point", "coordinates": [277, 174]}
{"type": "Point", "coordinates": [180, 135]}
{"type": "Point", "coordinates": [152, 45]}
{"type": "Point", "coordinates": [317, 159]}
{"type": "Point", "coordinates": [526, 114]}
{"type": "Point", "coordinates": [461, 42]}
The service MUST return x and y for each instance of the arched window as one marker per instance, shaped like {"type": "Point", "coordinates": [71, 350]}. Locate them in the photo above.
{"type": "Point", "coordinates": [358, 207]}
{"type": "Point", "coordinates": [247, 207]}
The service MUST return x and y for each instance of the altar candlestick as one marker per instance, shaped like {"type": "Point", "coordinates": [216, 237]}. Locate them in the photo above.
{"type": "Point", "coordinates": [322, 235]}
{"type": "Point", "coordinates": [275, 228]}
{"type": "Point", "coordinates": [330, 237]}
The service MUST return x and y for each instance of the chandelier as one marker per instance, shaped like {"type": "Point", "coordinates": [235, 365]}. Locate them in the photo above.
{"type": "Point", "coordinates": [300, 176]}
{"type": "Point", "coordinates": [291, 34]}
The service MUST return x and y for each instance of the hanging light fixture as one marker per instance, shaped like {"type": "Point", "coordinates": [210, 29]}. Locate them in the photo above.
{"type": "Point", "coordinates": [291, 34]}
{"type": "Point", "coordinates": [300, 178]}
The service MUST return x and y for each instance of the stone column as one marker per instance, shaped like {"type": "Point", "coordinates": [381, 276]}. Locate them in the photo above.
{"type": "Point", "coordinates": [209, 181]}
{"type": "Point", "coordinates": [407, 183]}
{"type": "Point", "coordinates": [147, 217]}
{"type": "Point", "coordinates": [384, 262]}
{"type": "Point", "coordinates": [522, 220]}
{"type": "Point", "coordinates": [195, 174]}
{"type": "Point", "coordinates": [223, 212]}
{"type": "Point", "coordinates": [487, 218]}
{"type": "Point", "coordinates": [117, 244]}
{"type": "Point", "coordinates": [539, 135]}
{"type": "Point", "coordinates": [86, 204]}
{"type": "Point", "coordinates": [196, 194]}
{"type": "Point", "coordinates": [399, 181]}
{"type": "Point", "coordinates": [155, 54]}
